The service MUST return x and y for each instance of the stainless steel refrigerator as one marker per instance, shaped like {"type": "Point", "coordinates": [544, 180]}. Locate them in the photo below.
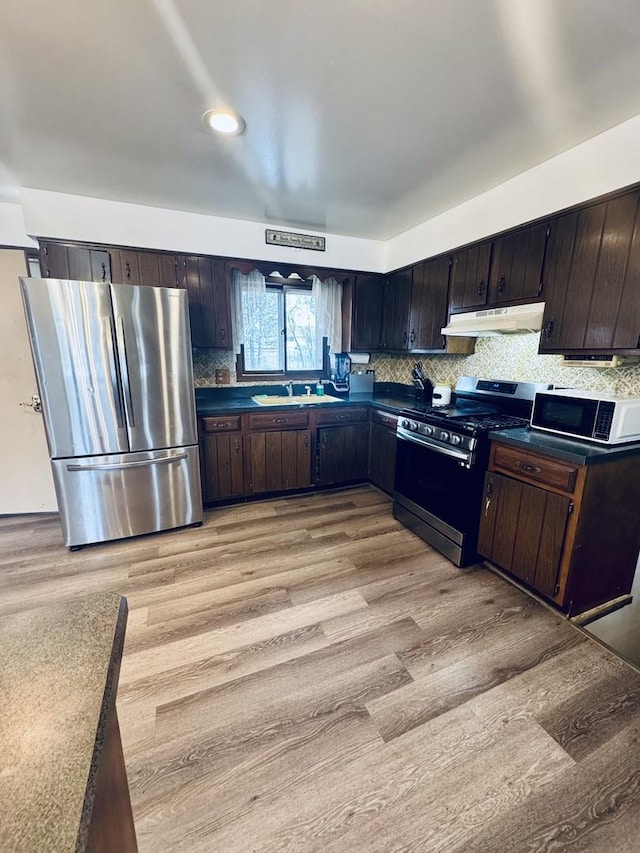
{"type": "Point", "coordinates": [114, 371]}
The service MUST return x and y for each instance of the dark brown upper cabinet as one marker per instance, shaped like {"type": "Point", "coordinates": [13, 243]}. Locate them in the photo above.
{"type": "Point", "coordinates": [155, 269]}
{"type": "Point", "coordinates": [470, 277]}
{"type": "Point", "coordinates": [396, 304]}
{"type": "Point", "coordinates": [207, 284]}
{"type": "Point", "coordinates": [429, 304]}
{"type": "Point", "coordinates": [592, 279]}
{"type": "Point", "coordinates": [516, 266]}
{"type": "Point", "coordinates": [366, 318]}
{"type": "Point", "coordinates": [75, 263]}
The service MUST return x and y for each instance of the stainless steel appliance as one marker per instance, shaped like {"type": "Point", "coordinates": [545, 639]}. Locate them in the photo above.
{"type": "Point", "coordinates": [114, 371]}
{"type": "Point", "coordinates": [442, 457]}
{"type": "Point", "coordinates": [587, 415]}
{"type": "Point", "coordinates": [341, 370]}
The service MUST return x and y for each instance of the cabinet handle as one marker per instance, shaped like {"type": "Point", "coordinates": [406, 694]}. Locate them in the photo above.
{"type": "Point", "coordinates": [531, 469]}
{"type": "Point", "coordinates": [480, 288]}
{"type": "Point", "coordinates": [127, 268]}
{"type": "Point", "coordinates": [104, 271]}
{"type": "Point", "coordinates": [306, 441]}
{"type": "Point", "coordinates": [412, 337]}
{"type": "Point", "coordinates": [236, 446]}
{"type": "Point", "coordinates": [548, 330]}
{"type": "Point", "coordinates": [489, 494]}
{"type": "Point", "coordinates": [223, 333]}
{"type": "Point", "coordinates": [404, 337]}
{"type": "Point", "coordinates": [501, 284]}
{"type": "Point", "coordinates": [324, 439]}
{"type": "Point", "coordinates": [223, 426]}
{"type": "Point", "coordinates": [342, 417]}
{"type": "Point", "coordinates": [279, 420]}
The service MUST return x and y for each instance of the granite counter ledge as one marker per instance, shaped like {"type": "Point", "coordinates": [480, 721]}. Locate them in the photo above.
{"type": "Point", "coordinates": [577, 452]}
{"type": "Point", "coordinates": [59, 739]}
{"type": "Point", "coordinates": [217, 401]}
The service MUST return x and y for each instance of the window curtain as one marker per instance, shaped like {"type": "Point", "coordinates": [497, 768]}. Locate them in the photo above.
{"type": "Point", "coordinates": [328, 306]}
{"type": "Point", "coordinates": [252, 285]}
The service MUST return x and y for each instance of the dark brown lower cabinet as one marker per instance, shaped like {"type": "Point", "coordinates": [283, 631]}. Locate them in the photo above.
{"type": "Point", "coordinates": [223, 466]}
{"type": "Point", "coordinates": [569, 530]}
{"type": "Point", "coordinates": [382, 450]}
{"type": "Point", "coordinates": [342, 454]}
{"type": "Point", "coordinates": [522, 530]}
{"type": "Point", "coordinates": [279, 460]}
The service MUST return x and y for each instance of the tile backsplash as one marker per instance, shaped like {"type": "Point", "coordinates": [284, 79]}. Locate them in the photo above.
{"type": "Point", "coordinates": [509, 357]}
{"type": "Point", "coordinates": [505, 357]}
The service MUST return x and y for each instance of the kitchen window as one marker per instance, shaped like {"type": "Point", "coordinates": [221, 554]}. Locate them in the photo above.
{"type": "Point", "coordinates": [285, 326]}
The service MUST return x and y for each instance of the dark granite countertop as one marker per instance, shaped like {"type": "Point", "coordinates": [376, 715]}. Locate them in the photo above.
{"type": "Point", "coordinates": [391, 396]}
{"type": "Point", "coordinates": [578, 452]}
{"type": "Point", "coordinates": [59, 670]}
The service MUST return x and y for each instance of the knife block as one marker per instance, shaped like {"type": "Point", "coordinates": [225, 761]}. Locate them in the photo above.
{"type": "Point", "coordinates": [423, 396]}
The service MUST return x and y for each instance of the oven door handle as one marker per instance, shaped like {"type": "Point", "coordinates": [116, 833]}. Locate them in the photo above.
{"type": "Point", "coordinates": [462, 455]}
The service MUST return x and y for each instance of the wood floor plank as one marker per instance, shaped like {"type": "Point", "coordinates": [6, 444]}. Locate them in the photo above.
{"type": "Point", "coordinates": [202, 646]}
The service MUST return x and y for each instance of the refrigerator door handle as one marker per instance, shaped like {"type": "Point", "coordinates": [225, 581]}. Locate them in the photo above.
{"type": "Point", "coordinates": [113, 371]}
{"type": "Point", "coordinates": [124, 369]}
{"type": "Point", "coordinates": [117, 466]}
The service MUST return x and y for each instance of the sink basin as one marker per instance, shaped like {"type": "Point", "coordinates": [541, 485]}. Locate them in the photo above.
{"type": "Point", "coordinates": [296, 400]}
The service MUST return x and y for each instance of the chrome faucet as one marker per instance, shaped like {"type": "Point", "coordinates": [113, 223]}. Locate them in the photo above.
{"type": "Point", "coordinates": [289, 387]}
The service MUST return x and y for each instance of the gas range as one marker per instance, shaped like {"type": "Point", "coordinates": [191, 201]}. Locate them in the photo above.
{"type": "Point", "coordinates": [480, 405]}
{"type": "Point", "coordinates": [456, 426]}
{"type": "Point", "coordinates": [442, 456]}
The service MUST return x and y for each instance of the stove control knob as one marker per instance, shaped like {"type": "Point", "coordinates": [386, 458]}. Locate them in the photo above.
{"type": "Point", "coordinates": [405, 424]}
{"type": "Point", "coordinates": [428, 430]}
{"type": "Point", "coordinates": [444, 435]}
{"type": "Point", "coordinates": [456, 439]}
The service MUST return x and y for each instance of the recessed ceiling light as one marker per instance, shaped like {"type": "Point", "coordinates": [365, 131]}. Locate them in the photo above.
{"type": "Point", "coordinates": [226, 122]}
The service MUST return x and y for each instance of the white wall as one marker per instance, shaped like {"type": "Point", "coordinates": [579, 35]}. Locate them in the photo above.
{"type": "Point", "coordinates": [602, 164]}
{"type": "Point", "coordinates": [12, 230]}
{"type": "Point", "coordinates": [26, 483]}
{"type": "Point", "coordinates": [69, 217]}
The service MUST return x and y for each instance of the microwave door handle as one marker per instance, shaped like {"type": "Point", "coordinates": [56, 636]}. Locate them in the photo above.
{"type": "Point", "coordinates": [113, 370]}
{"type": "Point", "coordinates": [124, 371]}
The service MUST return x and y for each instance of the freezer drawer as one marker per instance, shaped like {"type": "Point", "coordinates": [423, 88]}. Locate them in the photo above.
{"type": "Point", "coordinates": [110, 497]}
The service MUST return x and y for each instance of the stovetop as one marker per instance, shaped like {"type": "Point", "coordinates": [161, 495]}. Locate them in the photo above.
{"type": "Point", "coordinates": [466, 417]}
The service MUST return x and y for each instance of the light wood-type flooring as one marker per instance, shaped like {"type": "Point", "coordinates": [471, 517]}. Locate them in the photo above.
{"type": "Point", "coordinates": [304, 674]}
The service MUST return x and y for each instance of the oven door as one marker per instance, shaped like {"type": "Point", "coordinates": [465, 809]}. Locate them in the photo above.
{"type": "Point", "coordinates": [439, 498]}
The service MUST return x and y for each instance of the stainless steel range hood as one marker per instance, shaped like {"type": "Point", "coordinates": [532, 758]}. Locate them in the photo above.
{"type": "Point", "coordinates": [496, 321]}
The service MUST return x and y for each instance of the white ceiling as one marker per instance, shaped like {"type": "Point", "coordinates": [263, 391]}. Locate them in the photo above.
{"type": "Point", "coordinates": [365, 117]}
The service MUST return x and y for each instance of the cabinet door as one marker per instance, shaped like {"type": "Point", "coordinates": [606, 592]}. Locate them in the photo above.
{"type": "Point", "coordinates": [516, 265]}
{"type": "Point", "coordinates": [592, 279]}
{"type": "Point", "coordinates": [77, 263]}
{"type": "Point", "coordinates": [522, 530]}
{"type": "Point", "coordinates": [279, 460]}
{"type": "Point", "coordinates": [396, 306]}
{"type": "Point", "coordinates": [367, 312]}
{"type": "Point", "coordinates": [207, 285]}
{"type": "Point", "coordinates": [223, 466]}
{"type": "Point", "coordinates": [128, 267]}
{"type": "Point", "coordinates": [342, 454]}
{"type": "Point", "coordinates": [382, 457]}
{"type": "Point", "coordinates": [470, 277]}
{"type": "Point", "coordinates": [429, 305]}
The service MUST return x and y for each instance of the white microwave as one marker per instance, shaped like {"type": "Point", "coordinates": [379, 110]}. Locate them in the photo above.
{"type": "Point", "coordinates": [587, 415]}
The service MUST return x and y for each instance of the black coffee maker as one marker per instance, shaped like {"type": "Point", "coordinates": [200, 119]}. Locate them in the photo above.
{"type": "Point", "coordinates": [341, 370]}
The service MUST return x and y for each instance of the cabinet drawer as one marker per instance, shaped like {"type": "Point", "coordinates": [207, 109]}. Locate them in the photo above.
{"type": "Point", "coordinates": [531, 466]}
{"type": "Point", "coordinates": [341, 416]}
{"type": "Point", "coordinates": [222, 423]}
{"type": "Point", "coordinates": [384, 418]}
{"type": "Point", "coordinates": [279, 420]}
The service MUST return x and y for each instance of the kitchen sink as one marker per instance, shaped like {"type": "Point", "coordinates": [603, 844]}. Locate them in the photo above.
{"type": "Point", "coordinates": [296, 400]}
